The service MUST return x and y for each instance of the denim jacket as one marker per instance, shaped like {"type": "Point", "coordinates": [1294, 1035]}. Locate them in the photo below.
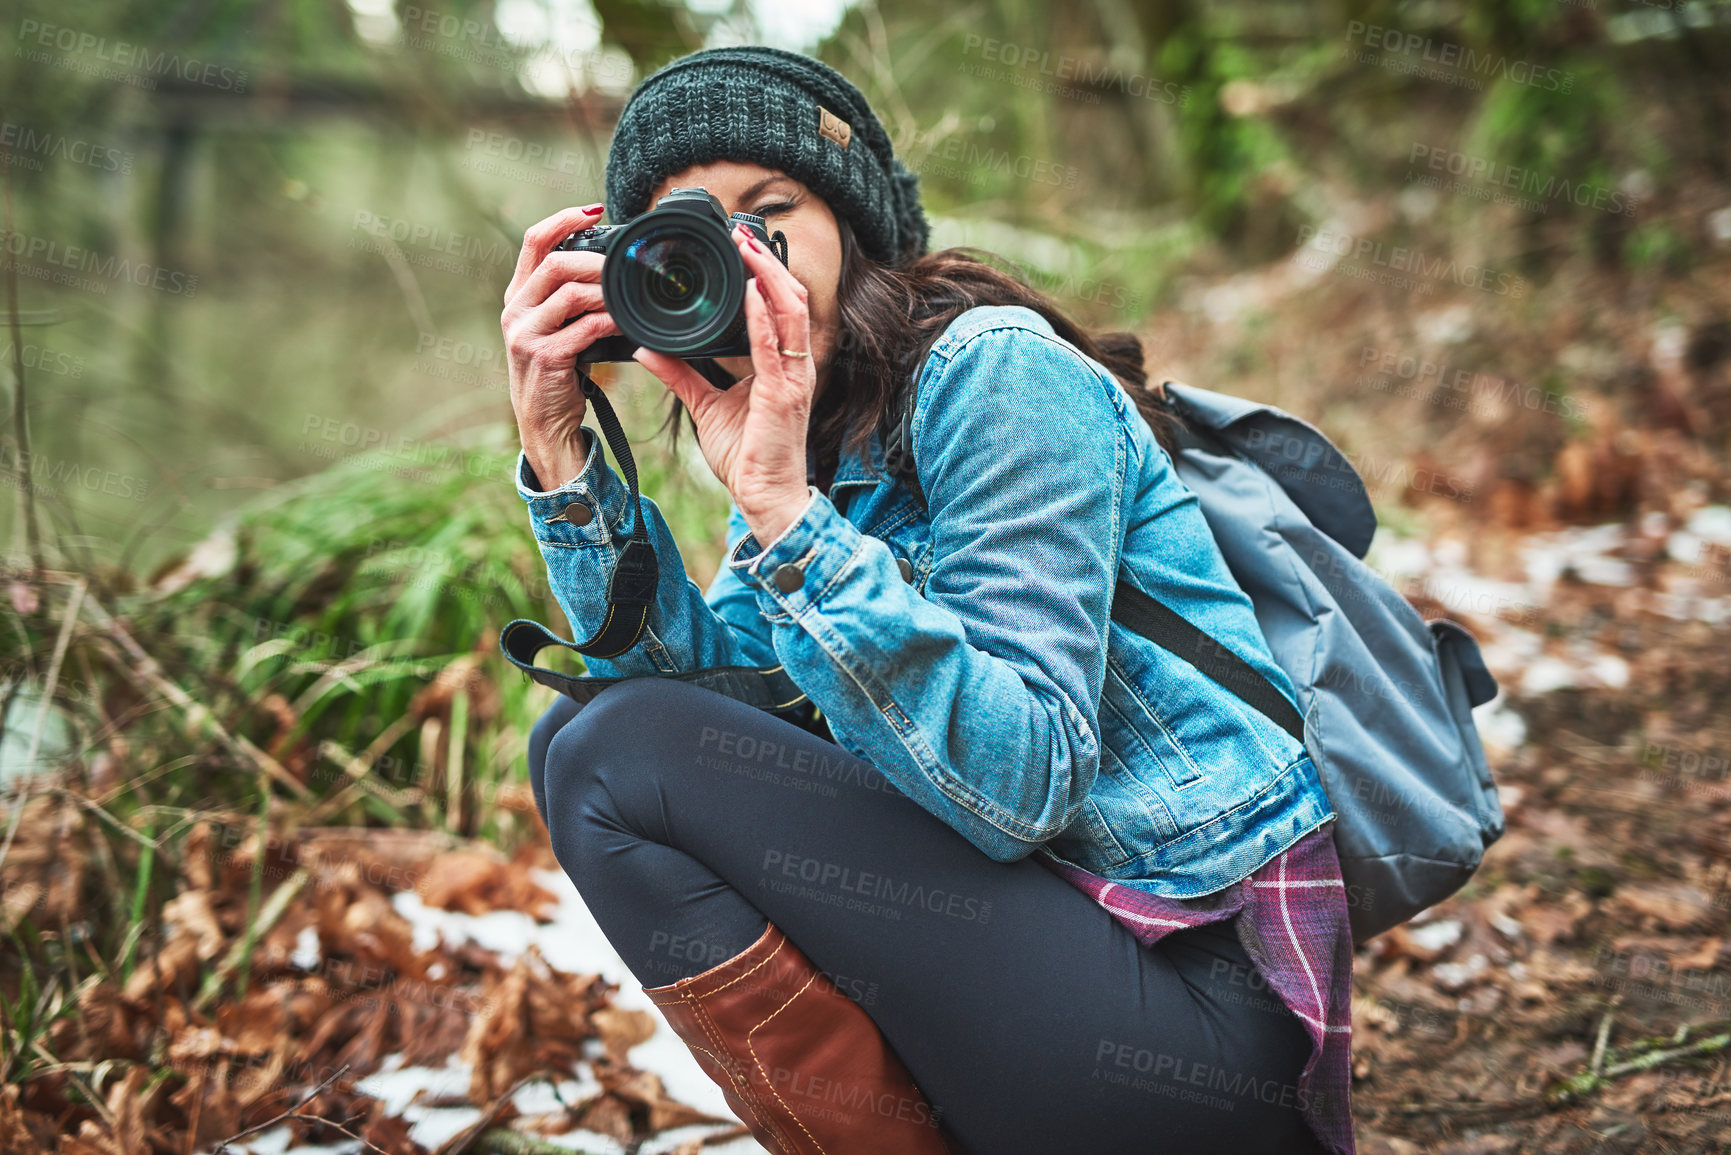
{"type": "Point", "coordinates": [966, 650]}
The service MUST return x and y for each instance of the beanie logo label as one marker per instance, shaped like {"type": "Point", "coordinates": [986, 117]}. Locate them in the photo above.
{"type": "Point", "coordinates": [833, 126]}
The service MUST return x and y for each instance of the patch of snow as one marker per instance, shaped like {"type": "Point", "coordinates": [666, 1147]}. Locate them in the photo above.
{"type": "Point", "coordinates": [542, 1098]}
{"type": "Point", "coordinates": [277, 1140]}
{"type": "Point", "coordinates": [395, 1085]}
{"type": "Point", "coordinates": [1417, 203]}
{"type": "Point", "coordinates": [1638, 183]}
{"type": "Point", "coordinates": [1500, 727]}
{"type": "Point", "coordinates": [432, 1127]}
{"type": "Point", "coordinates": [1455, 976]}
{"type": "Point", "coordinates": [1448, 326]}
{"type": "Point", "coordinates": [1436, 935]}
{"type": "Point", "coordinates": [1547, 673]}
{"type": "Point", "coordinates": [1609, 670]}
{"type": "Point", "coordinates": [1584, 550]}
{"type": "Point", "coordinates": [306, 954]}
{"type": "Point", "coordinates": [1719, 224]}
{"type": "Point", "coordinates": [1710, 525]}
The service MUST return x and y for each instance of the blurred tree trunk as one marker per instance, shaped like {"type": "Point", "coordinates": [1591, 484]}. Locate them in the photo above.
{"type": "Point", "coordinates": [153, 359]}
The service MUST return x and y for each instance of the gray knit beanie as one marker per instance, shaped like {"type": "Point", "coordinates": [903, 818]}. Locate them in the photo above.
{"type": "Point", "coordinates": [782, 110]}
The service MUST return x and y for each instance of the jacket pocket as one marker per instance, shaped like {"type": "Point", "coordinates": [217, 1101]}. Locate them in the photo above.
{"type": "Point", "coordinates": [1142, 724]}
{"type": "Point", "coordinates": [1120, 821]}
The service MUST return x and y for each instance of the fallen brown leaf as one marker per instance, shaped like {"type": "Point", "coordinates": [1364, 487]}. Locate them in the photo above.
{"type": "Point", "coordinates": [476, 883]}
{"type": "Point", "coordinates": [190, 913]}
{"type": "Point", "coordinates": [1676, 905]}
{"type": "Point", "coordinates": [165, 970]}
{"type": "Point", "coordinates": [621, 1029]}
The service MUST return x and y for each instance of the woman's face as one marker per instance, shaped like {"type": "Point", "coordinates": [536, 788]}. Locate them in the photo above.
{"type": "Point", "coordinates": [813, 242]}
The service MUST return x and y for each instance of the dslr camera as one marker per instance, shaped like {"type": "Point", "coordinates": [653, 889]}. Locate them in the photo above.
{"type": "Point", "coordinates": [674, 282]}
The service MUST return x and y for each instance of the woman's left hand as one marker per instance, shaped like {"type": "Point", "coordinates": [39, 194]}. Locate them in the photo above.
{"type": "Point", "coordinates": [753, 434]}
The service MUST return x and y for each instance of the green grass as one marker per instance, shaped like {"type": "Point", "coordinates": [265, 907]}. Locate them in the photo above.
{"type": "Point", "coordinates": [312, 625]}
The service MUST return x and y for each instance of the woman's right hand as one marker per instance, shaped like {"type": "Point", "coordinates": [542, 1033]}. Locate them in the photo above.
{"type": "Point", "coordinates": [542, 342]}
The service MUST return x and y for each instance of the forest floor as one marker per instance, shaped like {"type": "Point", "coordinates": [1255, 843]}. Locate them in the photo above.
{"type": "Point", "coordinates": [444, 980]}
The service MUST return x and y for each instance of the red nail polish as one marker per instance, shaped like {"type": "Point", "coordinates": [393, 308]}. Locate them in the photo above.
{"type": "Point", "coordinates": [752, 241]}
{"type": "Point", "coordinates": [594, 208]}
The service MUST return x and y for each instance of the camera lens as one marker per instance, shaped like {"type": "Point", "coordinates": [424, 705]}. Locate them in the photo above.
{"type": "Point", "coordinates": [674, 284]}
{"type": "Point", "coordinates": [670, 278]}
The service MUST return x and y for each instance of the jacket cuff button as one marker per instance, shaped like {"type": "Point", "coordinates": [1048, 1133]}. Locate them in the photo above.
{"type": "Point", "coordinates": [579, 514]}
{"type": "Point", "coordinates": [788, 577]}
{"type": "Point", "coordinates": [907, 568]}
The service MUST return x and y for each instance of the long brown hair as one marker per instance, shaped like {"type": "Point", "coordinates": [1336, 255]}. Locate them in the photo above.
{"type": "Point", "coordinates": [891, 316]}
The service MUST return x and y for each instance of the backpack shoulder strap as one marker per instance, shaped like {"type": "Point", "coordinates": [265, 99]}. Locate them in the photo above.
{"type": "Point", "coordinates": [1172, 632]}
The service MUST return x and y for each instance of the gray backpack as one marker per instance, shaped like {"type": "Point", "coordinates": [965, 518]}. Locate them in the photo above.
{"type": "Point", "coordinates": [1385, 699]}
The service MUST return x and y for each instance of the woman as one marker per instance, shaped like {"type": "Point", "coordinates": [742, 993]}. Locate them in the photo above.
{"type": "Point", "coordinates": [1029, 883]}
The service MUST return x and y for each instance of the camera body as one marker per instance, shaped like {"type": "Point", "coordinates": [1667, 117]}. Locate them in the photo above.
{"type": "Point", "coordinates": [673, 281]}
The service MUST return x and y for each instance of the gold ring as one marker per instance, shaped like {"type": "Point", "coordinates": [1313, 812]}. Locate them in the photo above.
{"type": "Point", "coordinates": [791, 353]}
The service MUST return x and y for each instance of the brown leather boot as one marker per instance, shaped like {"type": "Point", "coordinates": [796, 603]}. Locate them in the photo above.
{"type": "Point", "coordinates": [801, 1064]}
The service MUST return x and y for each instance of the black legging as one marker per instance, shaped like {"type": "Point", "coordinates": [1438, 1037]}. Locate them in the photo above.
{"type": "Point", "coordinates": [1032, 1019]}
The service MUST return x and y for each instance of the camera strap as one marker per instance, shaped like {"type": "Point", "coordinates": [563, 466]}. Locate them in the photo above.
{"type": "Point", "coordinates": [630, 592]}
{"type": "Point", "coordinates": [631, 588]}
